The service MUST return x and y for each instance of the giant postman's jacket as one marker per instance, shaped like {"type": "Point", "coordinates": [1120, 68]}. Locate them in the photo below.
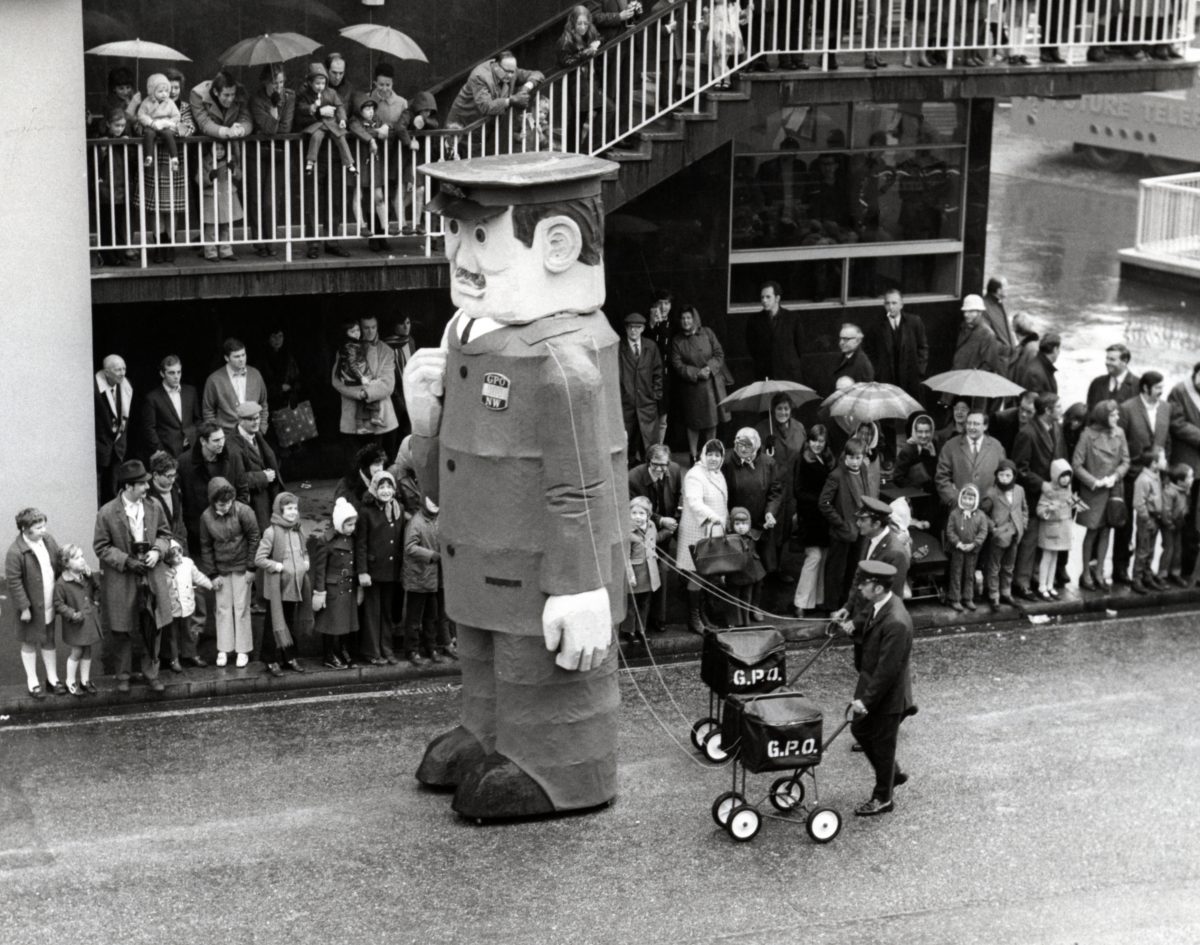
{"type": "Point", "coordinates": [530, 471]}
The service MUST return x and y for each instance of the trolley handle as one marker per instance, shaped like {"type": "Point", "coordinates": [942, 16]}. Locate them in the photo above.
{"type": "Point", "coordinates": [836, 732]}
{"type": "Point", "coordinates": [829, 638]}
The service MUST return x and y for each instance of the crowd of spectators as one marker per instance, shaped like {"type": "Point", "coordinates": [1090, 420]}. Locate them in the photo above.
{"type": "Point", "coordinates": [998, 494]}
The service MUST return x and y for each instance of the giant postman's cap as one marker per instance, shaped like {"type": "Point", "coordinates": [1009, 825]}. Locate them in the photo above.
{"type": "Point", "coordinates": [482, 187]}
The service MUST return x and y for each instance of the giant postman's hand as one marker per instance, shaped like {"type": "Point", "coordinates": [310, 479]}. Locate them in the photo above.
{"type": "Point", "coordinates": [424, 385]}
{"type": "Point", "coordinates": [579, 627]}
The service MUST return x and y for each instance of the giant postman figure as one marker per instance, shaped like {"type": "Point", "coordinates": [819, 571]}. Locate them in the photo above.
{"type": "Point", "coordinates": [517, 433]}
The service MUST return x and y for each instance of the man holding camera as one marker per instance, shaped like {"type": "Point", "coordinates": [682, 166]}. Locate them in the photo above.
{"type": "Point", "coordinates": [131, 538]}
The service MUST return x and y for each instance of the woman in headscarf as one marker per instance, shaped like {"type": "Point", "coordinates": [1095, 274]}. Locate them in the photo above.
{"type": "Point", "coordinates": [705, 513]}
{"type": "Point", "coordinates": [753, 484]}
{"type": "Point", "coordinates": [811, 469]}
{"type": "Point", "coordinates": [1100, 460]}
{"type": "Point", "coordinates": [698, 360]}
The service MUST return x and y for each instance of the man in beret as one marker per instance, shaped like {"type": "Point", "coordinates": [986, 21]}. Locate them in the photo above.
{"type": "Point", "coordinates": [883, 693]}
{"type": "Point", "coordinates": [641, 388]}
{"type": "Point", "coordinates": [131, 538]}
{"type": "Point", "coordinates": [517, 435]}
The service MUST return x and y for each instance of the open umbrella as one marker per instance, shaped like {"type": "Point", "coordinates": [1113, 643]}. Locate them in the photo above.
{"type": "Point", "coordinates": [138, 49]}
{"type": "Point", "coordinates": [757, 397]}
{"type": "Point", "coordinates": [385, 40]}
{"type": "Point", "coordinates": [973, 383]}
{"type": "Point", "coordinates": [266, 49]}
{"type": "Point", "coordinates": [860, 403]}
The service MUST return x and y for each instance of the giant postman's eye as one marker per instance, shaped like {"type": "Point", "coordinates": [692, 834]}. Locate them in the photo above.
{"type": "Point", "coordinates": [454, 228]}
{"type": "Point", "coordinates": [480, 235]}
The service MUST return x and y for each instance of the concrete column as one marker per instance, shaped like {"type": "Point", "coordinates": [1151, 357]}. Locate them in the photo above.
{"type": "Point", "coordinates": [47, 442]}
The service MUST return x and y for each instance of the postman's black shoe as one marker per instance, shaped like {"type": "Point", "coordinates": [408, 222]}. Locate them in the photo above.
{"type": "Point", "coordinates": [873, 808]}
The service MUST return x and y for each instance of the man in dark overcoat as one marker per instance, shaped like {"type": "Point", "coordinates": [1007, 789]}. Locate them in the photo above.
{"type": "Point", "coordinates": [883, 694]}
{"type": "Point", "coordinates": [170, 412]}
{"type": "Point", "coordinates": [641, 370]}
{"type": "Point", "coordinates": [896, 345]}
{"type": "Point", "coordinates": [130, 540]}
{"type": "Point", "coordinates": [775, 338]}
{"type": "Point", "coordinates": [660, 479]}
{"type": "Point", "coordinates": [1146, 420]}
{"type": "Point", "coordinates": [259, 465]}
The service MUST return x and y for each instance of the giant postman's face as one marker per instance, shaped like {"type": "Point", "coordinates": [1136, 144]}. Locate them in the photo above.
{"type": "Point", "coordinates": [491, 271]}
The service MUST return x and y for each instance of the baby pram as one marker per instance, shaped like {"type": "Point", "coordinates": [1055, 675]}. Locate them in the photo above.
{"type": "Point", "coordinates": [928, 566]}
{"type": "Point", "coordinates": [778, 731]}
{"type": "Point", "coordinates": [740, 661]}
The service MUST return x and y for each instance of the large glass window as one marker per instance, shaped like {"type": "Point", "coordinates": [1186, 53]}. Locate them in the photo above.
{"type": "Point", "coordinates": [850, 199]}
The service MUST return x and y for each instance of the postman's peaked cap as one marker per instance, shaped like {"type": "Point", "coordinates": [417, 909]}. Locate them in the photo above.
{"type": "Point", "coordinates": [481, 187]}
{"type": "Point", "coordinates": [877, 569]}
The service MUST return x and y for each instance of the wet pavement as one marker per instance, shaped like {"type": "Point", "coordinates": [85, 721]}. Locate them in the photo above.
{"type": "Point", "coordinates": [1055, 225]}
{"type": "Point", "coordinates": [1050, 801]}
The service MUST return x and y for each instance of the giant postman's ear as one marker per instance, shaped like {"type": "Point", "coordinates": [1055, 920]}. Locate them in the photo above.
{"type": "Point", "coordinates": [562, 242]}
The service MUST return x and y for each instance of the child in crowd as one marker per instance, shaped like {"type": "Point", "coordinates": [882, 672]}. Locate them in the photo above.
{"type": "Point", "coordinates": [725, 37]}
{"type": "Point", "coordinates": [379, 552]}
{"type": "Point", "coordinates": [1009, 515]}
{"type": "Point", "coordinates": [746, 585]}
{"type": "Point", "coordinates": [110, 175]}
{"type": "Point", "coordinates": [838, 503]}
{"type": "Point", "coordinates": [327, 115]}
{"type": "Point", "coordinates": [282, 557]}
{"type": "Point", "coordinates": [1056, 509]}
{"type": "Point", "coordinates": [642, 572]}
{"type": "Point", "coordinates": [351, 367]}
{"type": "Point", "coordinates": [219, 176]}
{"type": "Point", "coordinates": [228, 540]}
{"type": "Point", "coordinates": [30, 569]}
{"type": "Point", "coordinates": [158, 116]}
{"type": "Point", "coordinates": [335, 600]}
{"type": "Point", "coordinates": [364, 125]}
{"type": "Point", "coordinates": [77, 603]}
{"type": "Point", "coordinates": [1175, 511]}
{"type": "Point", "coordinates": [182, 578]}
{"type": "Point", "coordinates": [966, 530]}
{"type": "Point", "coordinates": [422, 581]}
{"type": "Point", "coordinates": [1147, 518]}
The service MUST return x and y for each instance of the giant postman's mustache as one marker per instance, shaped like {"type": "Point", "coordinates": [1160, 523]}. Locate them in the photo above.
{"type": "Point", "coordinates": [477, 279]}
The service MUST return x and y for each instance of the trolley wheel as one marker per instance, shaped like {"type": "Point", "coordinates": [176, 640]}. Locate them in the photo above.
{"type": "Point", "coordinates": [712, 748]}
{"type": "Point", "coordinates": [702, 729]}
{"type": "Point", "coordinates": [787, 794]}
{"type": "Point", "coordinates": [724, 804]}
{"type": "Point", "coordinates": [823, 824]}
{"type": "Point", "coordinates": [744, 822]}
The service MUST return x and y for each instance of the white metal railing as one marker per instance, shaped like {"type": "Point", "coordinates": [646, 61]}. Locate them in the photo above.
{"type": "Point", "coordinates": [1169, 216]}
{"type": "Point", "coordinates": [659, 66]}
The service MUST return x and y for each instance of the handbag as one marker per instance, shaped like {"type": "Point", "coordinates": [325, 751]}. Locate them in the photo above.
{"type": "Point", "coordinates": [1116, 512]}
{"type": "Point", "coordinates": [294, 425]}
{"type": "Point", "coordinates": [721, 554]}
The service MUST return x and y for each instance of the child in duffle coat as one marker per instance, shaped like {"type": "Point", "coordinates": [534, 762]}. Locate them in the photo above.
{"type": "Point", "coordinates": [1176, 490]}
{"type": "Point", "coordinates": [966, 531]}
{"type": "Point", "coordinates": [379, 554]}
{"type": "Point", "coordinates": [228, 540]}
{"type": "Point", "coordinates": [219, 177]}
{"type": "Point", "coordinates": [335, 588]}
{"type": "Point", "coordinates": [1056, 509]}
{"type": "Point", "coordinates": [746, 585]}
{"type": "Point", "coordinates": [1147, 514]}
{"type": "Point", "coordinates": [183, 575]}
{"type": "Point", "coordinates": [77, 603]}
{"type": "Point", "coordinates": [643, 575]}
{"type": "Point", "coordinates": [326, 114]}
{"type": "Point", "coordinates": [1009, 515]}
{"type": "Point", "coordinates": [283, 559]}
{"type": "Point", "coordinates": [30, 569]}
{"type": "Point", "coordinates": [158, 117]}
{"type": "Point", "coordinates": [422, 581]}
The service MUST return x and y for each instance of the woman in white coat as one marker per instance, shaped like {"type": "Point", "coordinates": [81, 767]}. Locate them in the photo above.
{"type": "Point", "coordinates": [705, 513]}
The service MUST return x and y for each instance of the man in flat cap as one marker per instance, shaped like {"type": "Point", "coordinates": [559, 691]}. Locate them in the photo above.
{"type": "Point", "coordinates": [883, 693]}
{"type": "Point", "coordinates": [131, 538]}
{"type": "Point", "coordinates": [641, 388]}
{"type": "Point", "coordinates": [517, 434]}
{"type": "Point", "coordinates": [259, 465]}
